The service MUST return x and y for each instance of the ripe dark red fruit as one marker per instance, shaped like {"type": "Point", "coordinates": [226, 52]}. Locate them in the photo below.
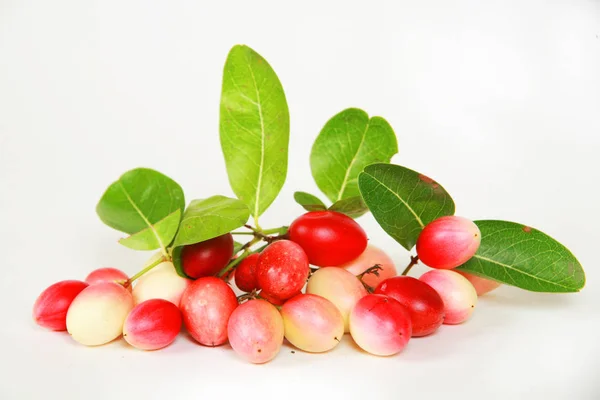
{"type": "Point", "coordinates": [245, 274]}
{"type": "Point", "coordinates": [282, 269]}
{"type": "Point", "coordinates": [448, 242]}
{"type": "Point", "coordinates": [329, 238]}
{"type": "Point", "coordinates": [424, 304]}
{"type": "Point", "coordinates": [207, 258]}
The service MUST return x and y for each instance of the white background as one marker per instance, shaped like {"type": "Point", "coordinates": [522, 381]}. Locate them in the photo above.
{"type": "Point", "coordinates": [498, 101]}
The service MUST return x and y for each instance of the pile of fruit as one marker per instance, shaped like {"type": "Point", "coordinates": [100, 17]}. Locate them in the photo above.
{"type": "Point", "coordinates": [310, 282]}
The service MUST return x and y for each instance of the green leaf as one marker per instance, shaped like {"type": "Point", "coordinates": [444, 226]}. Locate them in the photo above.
{"type": "Point", "coordinates": [346, 145]}
{"type": "Point", "coordinates": [237, 246]}
{"type": "Point", "coordinates": [309, 202]}
{"type": "Point", "coordinates": [403, 201]}
{"type": "Point", "coordinates": [146, 239]}
{"type": "Point", "coordinates": [524, 257]}
{"type": "Point", "coordinates": [176, 256]}
{"type": "Point", "coordinates": [254, 128]}
{"type": "Point", "coordinates": [353, 207]}
{"type": "Point", "coordinates": [208, 218]}
{"type": "Point", "coordinates": [137, 201]}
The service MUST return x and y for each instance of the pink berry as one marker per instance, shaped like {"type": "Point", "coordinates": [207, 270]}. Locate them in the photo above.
{"type": "Point", "coordinates": [380, 325]}
{"type": "Point", "coordinates": [312, 323]}
{"type": "Point", "coordinates": [481, 285]}
{"type": "Point", "coordinates": [107, 275]}
{"type": "Point", "coordinates": [50, 308]}
{"type": "Point", "coordinates": [459, 296]}
{"type": "Point", "coordinates": [152, 324]}
{"type": "Point", "coordinates": [340, 287]}
{"type": "Point", "coordinates": [370, 257]}
{"type": "Point", "coordinates": [255, 331]}
{"type": "Point", "coordinates": [206, 306]}
{"type": "Point", "coordinates": [282, 269]}
{"type": "Point", "coordinates": [448, 242]}
{"type": "Point", "coordinates": [98, 313]}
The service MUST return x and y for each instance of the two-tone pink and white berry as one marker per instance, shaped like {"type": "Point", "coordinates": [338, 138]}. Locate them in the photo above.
{"type": "Point", "coordinates": [459, 296]}
{"type": "Point", "coordinates": [98, 313]}
{"type": "Point", "coordinates": [312, 323]}
{"type": "Point", "coordinates": [481, 285]}
{"type": "Point", "coordinates": [152, 324]}
{"type": "Point", "coordinates": [51, 306]}
{"type": "Point", "coordinates": [380, 325]}
{"type": "Point", "coordinates": [256, 331]}
{"type": "Point", "coordinates": [161, 282]}
{"type": "Point", "coordinates": [372, 256]}
{"type": "Point", "coordinates": [107, 275]}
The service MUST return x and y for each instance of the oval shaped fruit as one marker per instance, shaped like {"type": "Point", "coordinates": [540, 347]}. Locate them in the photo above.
{"type": "Point", "coordinates": [107, 275]}
{"type": "Point", "coordinates": [98, 313]}
{"type": "Point", "coordinates": [255, 331]}
{"type": "Point", "coordinates": [51, 306]}
{"type": "Point", "coordinates": [380, 325]}
{"type": "Point", "coordinates": [207, 258]}
{"type": "Point", "coordinates": [481, 285]}
{"type": "Point", "coordinates": [329, 238]}
{"type": "Point", "coordinates": [448, 242]}
{"type": "Point", "coordinates": [459, 296]}
{"type": "Point", "coordinates": [206, 306]}
{"type": "Point", "coordinates": [245, 274]}
{"type": "Point", "coordinates": [282, 269]}
{"type": "Point", "coordinates": [424, 304]}
{"type": "Point", "coordinates": [312, 323]}
{"type": "Point", "coordinates": [161, 282]}
{"type": "Point", "coordinates": [372, 256]}
{"type": "Point", "coordinates": [340, 287]}
{"type": "Point", "coordinates": [152, 324]}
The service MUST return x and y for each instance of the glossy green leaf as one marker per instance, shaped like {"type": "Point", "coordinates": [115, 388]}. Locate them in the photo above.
{"type": "Point", "coordinates": [208, 218]}
{"type": "Point", "coordinates": [176, 256]}
{"type": "Point", "coordinates": [136, 202]}
{"type": "Point", "coordinates": [403, 201]}
{"type": "Point", "coordinates": [522, 256]}
{"type": "Point", "coordinates": [309, 202]}
{"type": "Point", "coordinates": [353, 207]}
{"type": "Point", "coordinates": [254, 128]}
{"type": "Point", "coordinates": [346, 145]}
{"type": "Point", "coordinates": [146, 239]}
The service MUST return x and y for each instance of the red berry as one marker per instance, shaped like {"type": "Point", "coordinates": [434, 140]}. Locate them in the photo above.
{"type": "Point", "coordinates": [448, 242]}
{"type": "Point", "coordinates": [50, 308]}
{"type": "Point", "coordinates": [282, 269]}
{"type": "Point", "coordinates": [329, 238]}
{"type": "Point", "coordinates": [245, 273]}
{"type": "Point", "coordinates": [207, 258]}
{"type": "Point", "coordinates": [152, 324]}
{"type": "Point", "coordinates": [424, 304]}
{"type": "Point", "coordinates": [206, 306]}
{"type": "Point", "coordinates": [380, 325]}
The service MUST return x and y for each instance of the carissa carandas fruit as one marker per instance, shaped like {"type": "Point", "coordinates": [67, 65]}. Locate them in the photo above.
{"type": "Point", "coordinates": [188, 279]}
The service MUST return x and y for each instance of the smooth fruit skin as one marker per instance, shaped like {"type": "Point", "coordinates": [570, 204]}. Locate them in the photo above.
{"type": "Point", "coordinates": [448, 242]}
{"type": "Point", "coordinates": [161, 282]}
{"type": "Point", "coordinates": [424, 304]}
{"type": "Point", "coordinates": [206, 306]}
{"type": "Point", "coordinates": [371, 256]}
{"type": "Point", "coordinates": [329, 238]}
{"type": "Point", "coordinates": [152, 325]}
{"type": "Point", "coordinates": [340, 287]}
{"type": "Point", "coordinates": [107, 275]}
{"type": "Point", "coordinates": [245, 274]}
{"type": "Point", "coordinates": [51, 306]}
{"type": "Point", "coordinates": [481, 285]}
{"type": "Point", "coordinates": [255, 331]}
{"type": "Point", "coordinates": [207, 258]}
{"type": "Point", "coordinates": [282, 269]}
{"type": "Point", "coordinates": [98, 313]}
{"type": "Point", "coordinates": [459, 296]}
{"type": "Point", "coordinates": [312, 323]}
{"type": "Point", "coordinates": [380, 325]}
{"type": "Point", "coordinates": [274, 300]}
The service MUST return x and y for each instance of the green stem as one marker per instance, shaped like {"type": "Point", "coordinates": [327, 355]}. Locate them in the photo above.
{"type": "Point", "coordinates": [234, 262]}
{"type": "Point", "coordinates": [142, 272]}
{"type": "Point", "coordinates": [242, 233]}
{"type": "Point", "coordinates": [414, 260]}
{"type": "Point", "coordinates": [282, 230]}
